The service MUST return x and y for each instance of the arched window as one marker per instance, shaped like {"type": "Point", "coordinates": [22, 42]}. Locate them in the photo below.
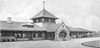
{"type": "Point", "coordinates": [62, 34]}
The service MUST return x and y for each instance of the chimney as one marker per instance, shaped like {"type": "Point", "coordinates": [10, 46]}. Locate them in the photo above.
{"type": "Point", "coordinates": [9, 20]}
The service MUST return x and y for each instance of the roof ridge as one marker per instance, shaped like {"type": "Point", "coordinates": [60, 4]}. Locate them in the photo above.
{"type": "Point", "coordinates": [14, 21]}
{"type": "Point", "coordinates": [44, 13]}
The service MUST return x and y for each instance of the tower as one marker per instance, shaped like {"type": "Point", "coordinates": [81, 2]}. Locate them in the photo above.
{"type": "Point", "coordinates": [44, 18]}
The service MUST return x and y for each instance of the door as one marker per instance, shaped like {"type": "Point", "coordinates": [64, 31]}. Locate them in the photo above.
{"type": "Point", "coordinates": [30, 35]}
{"type": "Point", "coordinates": [62, 34]}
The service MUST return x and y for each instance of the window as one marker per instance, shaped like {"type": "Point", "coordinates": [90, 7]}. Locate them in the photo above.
{"type": "Point", "coordinates": [62, 26]}
{"type": "Point", "coordinates": [46, 20]}
{"type": "Point", "coordinates": [49, 20]}
{"type": "Point", "coordinates": [18, 35]}
{"type": "Point", "coordinates": [52, 20]}
{"type": "Point", "coordinates": [37, 20]}
{"type": "Point", "coordinates": [33, 34]}
{"type": "Point", "coordinates": [7, 33]}
{"type": "Point", "coordinates": [28, 26]}
{"type": "Point", "coordinates": [24, 35]}
{"type": "Point", "coordinates": [34, 20]}
{"type": "Point", "coordinates": [39, 35]}
{"type": "Point", "coordinates": [21, 35]}
{"type": "Point", "coordinates": [40, 19]}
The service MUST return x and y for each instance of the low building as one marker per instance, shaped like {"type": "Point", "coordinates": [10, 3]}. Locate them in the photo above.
{"type": "Point", "coordinates": [43, 27]}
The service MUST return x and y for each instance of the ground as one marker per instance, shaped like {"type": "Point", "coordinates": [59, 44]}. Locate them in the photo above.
{"type": "Point", "coordinates": [92, 43]}
{"type": "Point", "coordinates": [74, 43]}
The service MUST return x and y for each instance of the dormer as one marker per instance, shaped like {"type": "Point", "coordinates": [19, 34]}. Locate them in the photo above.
{"type": "Point", "coordinates": [28, 25]}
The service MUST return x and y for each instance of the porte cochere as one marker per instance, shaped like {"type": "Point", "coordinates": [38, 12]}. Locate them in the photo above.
{"type": "Point", "coordinates": [43, 27]}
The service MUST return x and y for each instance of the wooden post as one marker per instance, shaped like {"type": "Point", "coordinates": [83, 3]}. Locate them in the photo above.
{"type": "Point", "coordinates": [43, 36]}
{"type": "Point", "coordinates": [36, 35]}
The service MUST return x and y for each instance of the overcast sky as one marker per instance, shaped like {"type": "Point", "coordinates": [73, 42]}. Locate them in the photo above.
{"type": "Point", "coordinates": [75, 13]}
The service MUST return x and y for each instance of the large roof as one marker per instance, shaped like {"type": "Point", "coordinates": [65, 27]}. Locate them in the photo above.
{"type": "Point", "coordinates": [18, 26]}
{"type": "Point", "coordinates": [77, 29]}
{"type": "Point", "coordinates": [44, 13]}
{"type": "Point", "coordinates": [53, 27]}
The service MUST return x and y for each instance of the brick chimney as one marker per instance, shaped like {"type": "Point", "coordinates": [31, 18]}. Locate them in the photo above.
{"type": "Point", "coordinates": [9, 20]}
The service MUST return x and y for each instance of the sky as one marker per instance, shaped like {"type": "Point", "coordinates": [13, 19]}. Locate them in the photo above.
{"type": "Point", "coordinates": [76, 13]}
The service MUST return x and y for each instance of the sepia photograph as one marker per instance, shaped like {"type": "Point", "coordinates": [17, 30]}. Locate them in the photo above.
{"type": "Point", "coordinates": [49, 23]}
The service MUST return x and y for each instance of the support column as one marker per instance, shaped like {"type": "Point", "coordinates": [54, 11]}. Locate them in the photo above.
{"type": "Point", "coordinates": [68, 37]}
{"type": "Point", "coordinates": [43, 35]}
{"type": "Point", "coordinates": [56, 36]}
{"type": "Point", "coordinates": [36, 35]}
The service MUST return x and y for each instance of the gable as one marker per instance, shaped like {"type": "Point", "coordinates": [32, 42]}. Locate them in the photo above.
{"type": "Point", "coordinates": [62, 27]}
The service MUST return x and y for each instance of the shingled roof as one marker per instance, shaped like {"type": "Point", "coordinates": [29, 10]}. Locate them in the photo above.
{"type": "Point", "coordinates": [18, 26]}
{"type": "Point", "coordinates": [77, 29]}
{"type": "Point", "coordinates": [53, 27]}
{"type": "Point", "coordinates": [44, 13]}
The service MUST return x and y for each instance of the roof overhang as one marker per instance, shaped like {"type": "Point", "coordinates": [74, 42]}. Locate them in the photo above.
{"type": "Point", "coordinates": [22, 29]}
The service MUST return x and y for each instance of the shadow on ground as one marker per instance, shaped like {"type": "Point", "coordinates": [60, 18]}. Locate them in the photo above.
{"type": "Point", "coordinates": [95, 44]}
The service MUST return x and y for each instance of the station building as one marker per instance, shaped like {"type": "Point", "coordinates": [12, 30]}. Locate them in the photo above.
{"type": "Point", "coordinates": [43, 27]}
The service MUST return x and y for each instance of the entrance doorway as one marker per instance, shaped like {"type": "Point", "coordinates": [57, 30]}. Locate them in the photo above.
{"type": "Point", "coordinates": [62, 34]}
{"type": "Point", "coordinates": [30, 36]}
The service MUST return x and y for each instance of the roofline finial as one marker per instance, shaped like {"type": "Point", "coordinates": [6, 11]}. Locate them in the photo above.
{"type": "Point", "coordinates": [43, 5]}
{"type": "Point", "coordinates": [62, 21]}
